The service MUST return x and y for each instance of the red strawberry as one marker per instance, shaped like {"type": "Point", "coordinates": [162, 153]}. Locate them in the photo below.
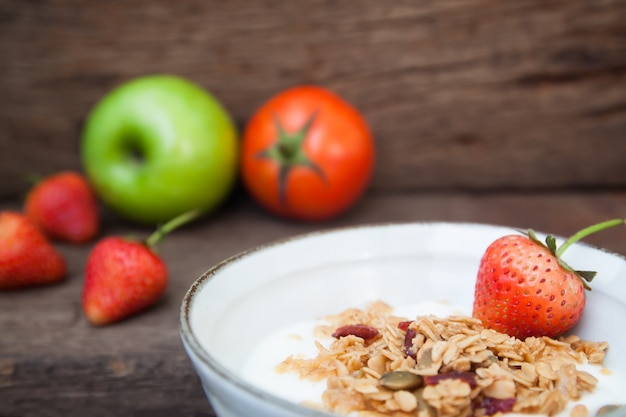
{"type": "Point", "coordinates": [64, 207]}
{"type": "Point", "coordinates": [523, 287]}
{"type": "Point", "coordinates": [124, 277]}
{"type": "Point", "coordinates": [26, 256]}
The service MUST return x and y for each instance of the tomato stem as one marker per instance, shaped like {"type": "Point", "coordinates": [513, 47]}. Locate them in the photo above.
{"type": "Point", "coordinates": [288, 149]}
{"type": "Point", "coordinates": [288, 153]}
{"type": "Point", "coordinates": [586, 232]}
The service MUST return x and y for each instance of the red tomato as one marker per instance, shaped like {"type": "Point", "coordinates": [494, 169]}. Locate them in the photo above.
{"type": "Point", "coordinates": [307, 154]}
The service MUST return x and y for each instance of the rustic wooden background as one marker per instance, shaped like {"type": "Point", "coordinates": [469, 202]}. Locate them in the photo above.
{"type": "Point", "coordinates": [461, 94]}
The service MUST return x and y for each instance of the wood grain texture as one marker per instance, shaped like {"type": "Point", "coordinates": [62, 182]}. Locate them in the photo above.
{"type": "Point", "coordinates": [53, 363]}
{"type": "Point", "coordinates": [479, 94]}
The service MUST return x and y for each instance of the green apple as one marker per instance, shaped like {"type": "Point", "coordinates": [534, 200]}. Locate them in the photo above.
{"type": "Point", "coordinates": [158, 146]}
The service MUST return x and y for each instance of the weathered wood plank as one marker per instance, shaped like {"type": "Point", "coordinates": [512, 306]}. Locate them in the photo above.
{"type": "Point", "coordinates": [53, 363]}
{"type": "Point", "coordinates": [460, 94]}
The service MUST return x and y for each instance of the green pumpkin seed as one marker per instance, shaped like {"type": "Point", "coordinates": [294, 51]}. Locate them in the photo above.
{"type": "Point", "coordinates": [401, 380]}
{"type": "Point", "coordinates": [607, 409]}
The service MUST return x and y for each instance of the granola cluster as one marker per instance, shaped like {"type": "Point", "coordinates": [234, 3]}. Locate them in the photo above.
{"type": "Point", "coordinates": [382, 365]}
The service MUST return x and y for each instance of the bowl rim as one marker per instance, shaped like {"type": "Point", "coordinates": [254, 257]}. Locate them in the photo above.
{"type": "Point", "coordinates": [240, 383]}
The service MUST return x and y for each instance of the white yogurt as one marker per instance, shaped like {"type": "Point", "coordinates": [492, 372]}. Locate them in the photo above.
{"type": "Point", "coordinates": [260, 366]}
{"type": "Point", "coordinates": [299, 341]}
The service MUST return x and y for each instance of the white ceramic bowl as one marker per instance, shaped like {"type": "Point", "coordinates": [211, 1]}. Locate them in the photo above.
{"type": "Point", "coordinates": [236, 304]}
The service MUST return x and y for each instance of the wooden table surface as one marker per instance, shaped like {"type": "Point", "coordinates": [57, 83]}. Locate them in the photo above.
{"type": "Point", "coordinates": [53, 363]}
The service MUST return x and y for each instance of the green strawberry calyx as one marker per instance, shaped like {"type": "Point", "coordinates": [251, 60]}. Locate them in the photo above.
{"type": "Point", "coordinates": [162, 230]}
{"type": "Point", "coordinates": [557, 252]}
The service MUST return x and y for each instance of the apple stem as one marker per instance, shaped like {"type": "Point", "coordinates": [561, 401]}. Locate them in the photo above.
{"type": "Point", "coordinates": [586, 232]}
{"type": "Point", "coordinates": [168, 227]}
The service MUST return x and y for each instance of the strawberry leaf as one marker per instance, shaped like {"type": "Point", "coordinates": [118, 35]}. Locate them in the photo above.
{"type": "Point", "coordinates": [532, 236]}
{"type": "Point", "coordinates": [587, 275]}
{"type": "Point", "coordinates": [551, 243]}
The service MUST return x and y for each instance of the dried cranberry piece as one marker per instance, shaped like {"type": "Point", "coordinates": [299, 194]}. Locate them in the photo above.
{"type": "Point", "coordinates": [404, 325]}
{"type": "Point", "coordinates": [495, 405]}
{"type": "Point", "coordinates": [467, 377]}
{"type": "Point", "coordinates": [363, 331]}
{"type": "Point", "coordinates": [408, 343]}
